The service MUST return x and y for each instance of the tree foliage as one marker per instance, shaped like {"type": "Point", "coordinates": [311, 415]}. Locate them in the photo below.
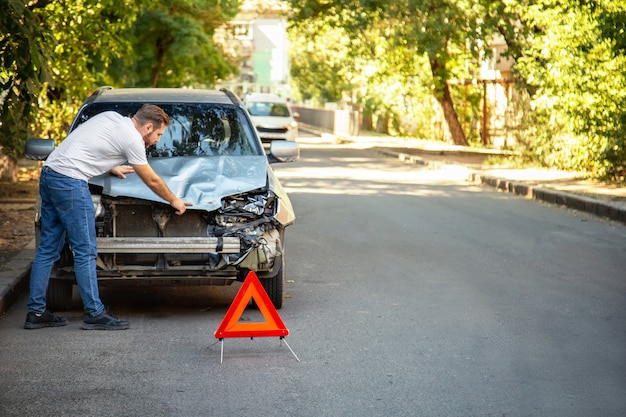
{"type": "Point", "coordinates": [381, 79]}
{"type": "Point", "coordinates": [80, 57]}
{"type": "Point", "coordinates": [172, 44]}
{"type": "Point", "coordinates": [391, 59]}
{"type": "Point", "coordinates": [23, 69]}
{"type": "Point", "coordinates": [446, 34]}
{"type": "Point", "coordinates": [575, 64]}
{"type": "Point", "coordinates": [53, 53]}
{"type": "Point", "coordinates": [569, 55]}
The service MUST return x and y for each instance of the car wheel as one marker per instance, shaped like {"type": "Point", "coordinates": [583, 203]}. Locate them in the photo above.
{"type": "Point", "coordinates": [37, 235]}
{"type": "Point", "coordinates": [275, 286]}
{"type": "Point", "coordinates": [59, 296]}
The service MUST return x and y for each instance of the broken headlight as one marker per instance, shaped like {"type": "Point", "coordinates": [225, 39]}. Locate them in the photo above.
{"type": "Point", "coordinates": [243, 209]}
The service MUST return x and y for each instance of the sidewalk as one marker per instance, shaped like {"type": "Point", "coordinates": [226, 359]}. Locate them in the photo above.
{"type": "Point", "coordinates": [556, 187]}
{"type": "Point", "coordinates": [552, 186]}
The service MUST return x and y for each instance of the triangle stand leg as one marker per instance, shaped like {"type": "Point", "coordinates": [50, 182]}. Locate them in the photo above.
{"type": "Point", "coordinates": [282, 339]}
{"type": "Point", "coordinates": [290, 349]}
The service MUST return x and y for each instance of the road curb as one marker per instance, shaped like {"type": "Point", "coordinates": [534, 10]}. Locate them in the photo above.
{"type": "Point", "coordinates": [577, 202]}
{"type": "Point", "coordinates": [14, 276]}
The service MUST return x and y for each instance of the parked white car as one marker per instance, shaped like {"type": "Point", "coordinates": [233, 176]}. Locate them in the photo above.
{"type": "Point", "coordinates": [272, 117]}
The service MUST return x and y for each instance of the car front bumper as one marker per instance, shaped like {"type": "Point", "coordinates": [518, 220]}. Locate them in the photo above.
{"type": "Point", "coordinates": [168, 244]}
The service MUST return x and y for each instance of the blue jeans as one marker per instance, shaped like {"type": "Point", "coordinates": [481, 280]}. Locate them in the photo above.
{"type": "Point", "coordinates": [66, 211]}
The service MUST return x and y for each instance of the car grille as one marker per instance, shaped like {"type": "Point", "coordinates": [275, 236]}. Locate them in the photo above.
{"type": "Point", "coordinates": [271, 130]}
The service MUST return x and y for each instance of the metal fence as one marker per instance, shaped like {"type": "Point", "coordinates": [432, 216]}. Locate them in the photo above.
{"type": "Point", "coordinates": [343, 123]}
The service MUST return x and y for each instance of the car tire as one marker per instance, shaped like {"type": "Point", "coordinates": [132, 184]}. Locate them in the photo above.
{"type": "Point", "coordinates": [59, 293]}
{"type": "Point", "coordinates": [275, 286]}
{"type": "Point", "coordinates": [59, 296]}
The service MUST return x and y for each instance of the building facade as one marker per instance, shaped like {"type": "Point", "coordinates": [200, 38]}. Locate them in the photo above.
{"type": "Point", "coordinates": [257, 39]}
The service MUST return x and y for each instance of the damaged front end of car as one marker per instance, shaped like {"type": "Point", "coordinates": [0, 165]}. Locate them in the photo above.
{"type": "Point", "coordinates": [217, 241]}
{"type": "Point", "coordinates": [141, 238]}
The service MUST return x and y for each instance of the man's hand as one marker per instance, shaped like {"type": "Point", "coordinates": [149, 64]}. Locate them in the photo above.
{"type": "Point", "coordinates": [180, 205]}
{"type": "Point", "coordinates": [121, 170]}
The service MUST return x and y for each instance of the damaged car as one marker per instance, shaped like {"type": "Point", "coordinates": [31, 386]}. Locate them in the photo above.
{"type": "Point", "coordinates": [211, 156]}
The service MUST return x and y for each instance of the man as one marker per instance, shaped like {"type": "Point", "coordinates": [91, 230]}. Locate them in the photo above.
{"type": "Point", "coordinates": [100, 144]}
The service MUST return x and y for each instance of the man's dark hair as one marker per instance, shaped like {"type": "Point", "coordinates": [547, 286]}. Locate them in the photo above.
{"type": "Point", "coordinates": [151, 113]}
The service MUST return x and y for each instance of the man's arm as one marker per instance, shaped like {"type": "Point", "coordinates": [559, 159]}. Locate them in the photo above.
{"type": "Point", "coordinates": [156, 184]}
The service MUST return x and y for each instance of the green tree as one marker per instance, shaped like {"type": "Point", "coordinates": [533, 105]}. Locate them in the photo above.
{"type": "Point", "coordinates": [335, 61]}
{"type": "Point", "coordinates": [570, 65]}
{"type": "Point", "coordinates": [172, 44]}
{"type": "Point", "coordinates": [53, 53]}
{"type": "Point", "coordinates": [23, 70]}
{"type": "Point", "coordinates": [574, 64]}
{"type": "Point", "coordinates": [319, 61]}
{"type": "Point", "coordinates": [448, 33]}
{"type": "Point", "coordinates": [86, 44]}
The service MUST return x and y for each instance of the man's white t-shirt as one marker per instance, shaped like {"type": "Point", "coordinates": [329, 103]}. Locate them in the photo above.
{"type": "Point", "coordinates": [99, 144]}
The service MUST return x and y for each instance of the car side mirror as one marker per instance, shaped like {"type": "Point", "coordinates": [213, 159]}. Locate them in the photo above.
{"type": "Point", "coordinates": [283, 151]}
{"type": "Point", "coordinates": [38, 149]}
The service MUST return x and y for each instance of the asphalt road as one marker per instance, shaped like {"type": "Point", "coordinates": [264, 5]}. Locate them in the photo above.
{"type": "Point", "coordinates": [411, 293]}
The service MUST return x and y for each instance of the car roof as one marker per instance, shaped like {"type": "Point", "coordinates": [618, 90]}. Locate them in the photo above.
{"type": "Point", "coordinates": [162, 95]}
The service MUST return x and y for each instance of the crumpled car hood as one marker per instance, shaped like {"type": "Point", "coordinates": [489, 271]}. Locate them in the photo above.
{"type": "Point", "coordinates": [203, 181]}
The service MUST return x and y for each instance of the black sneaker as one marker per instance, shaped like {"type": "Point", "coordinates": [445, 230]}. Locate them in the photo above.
{"type": "Point", "coordinates": [45, 319]}
{"type": "Point", "coordinates": [104, 321]}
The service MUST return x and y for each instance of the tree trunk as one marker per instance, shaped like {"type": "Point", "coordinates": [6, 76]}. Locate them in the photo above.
{"type": "Point", "coordinates": [443, 96]}
{"type": "Point", "coordinates": [156, 68]}
{"type": "Point", "coordinates": [367, 122]}
{"type": "Point", "coordinates": [382, 124]}
{"type": "Point", "coordinates": [161, 44]}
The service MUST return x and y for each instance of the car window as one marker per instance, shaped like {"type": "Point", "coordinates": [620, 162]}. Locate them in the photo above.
{"type": "Point", "coordinates": [257, 108]}
{"type": "Point", "coordinates": [197, 129]}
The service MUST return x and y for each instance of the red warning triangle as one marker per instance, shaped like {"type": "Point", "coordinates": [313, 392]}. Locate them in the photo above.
{"type": "Point", "coordinates": [251, 289]}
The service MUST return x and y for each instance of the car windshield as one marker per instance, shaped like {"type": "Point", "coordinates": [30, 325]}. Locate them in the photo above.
{"type": "Point", "coordinates": [197, 129]}
{"type": "Point", "coordinates": [258, 108]}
